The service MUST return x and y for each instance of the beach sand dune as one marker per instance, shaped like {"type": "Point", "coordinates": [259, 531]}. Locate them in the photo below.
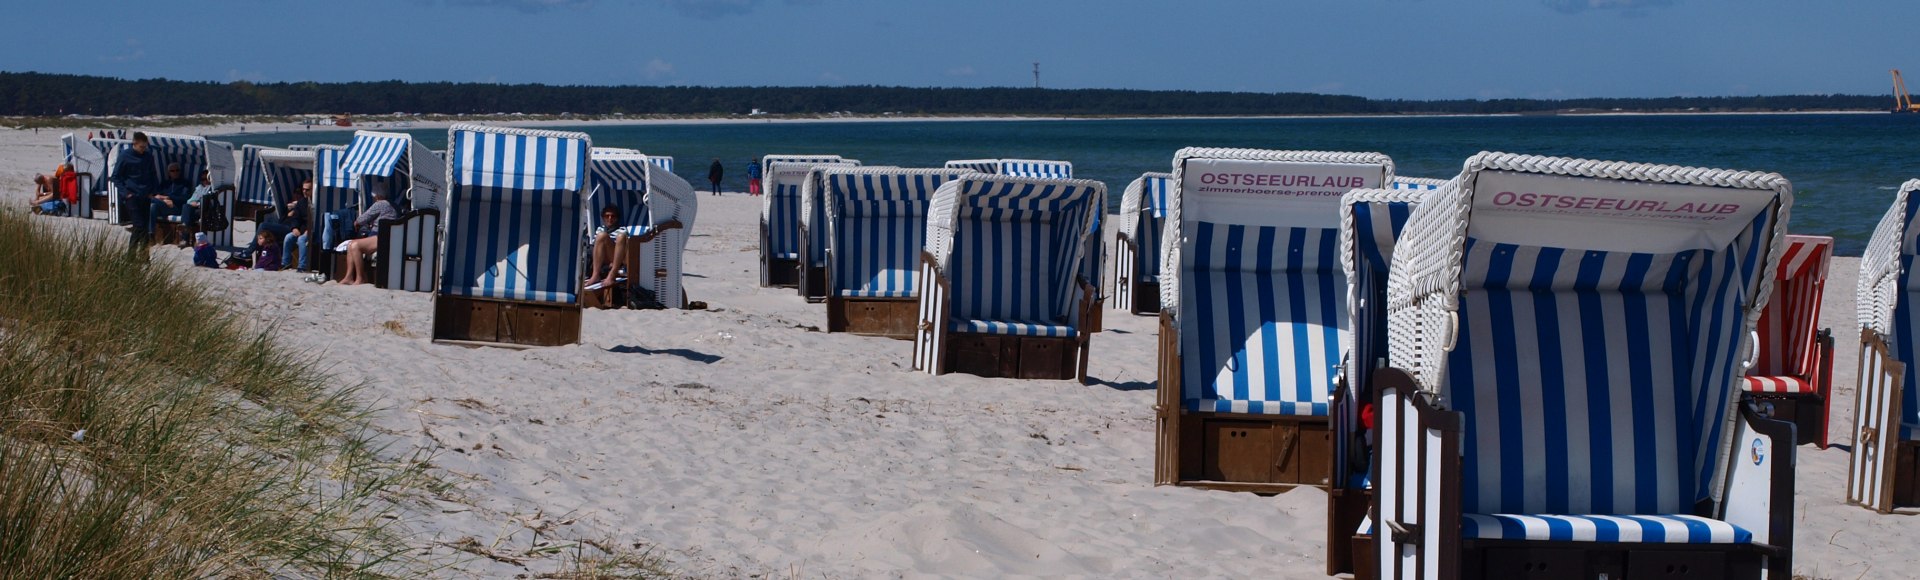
{"type": "Point", "coordinates": [742, 441]}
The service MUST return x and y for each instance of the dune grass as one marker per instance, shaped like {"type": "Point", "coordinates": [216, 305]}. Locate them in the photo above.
{"type": "Point", "coordinates": [148, 432]}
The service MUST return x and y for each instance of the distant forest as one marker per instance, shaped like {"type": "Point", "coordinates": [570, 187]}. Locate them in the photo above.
{"type": "Point", "coordinates": [38, 94]}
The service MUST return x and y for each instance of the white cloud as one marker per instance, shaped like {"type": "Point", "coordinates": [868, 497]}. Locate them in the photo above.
{"type": "Point", "coordinates": [1628, 7]}
{"type": "Point", "coordinates": [657, 69]}
{"type": "Point", "coordinates": [134, 52]}
{"type": "Point", "coordinates": [961, 71]}
{"type": "Point", "coordinates": [528, 6]}
{"type": "Point", "coordinates": [712, 9]}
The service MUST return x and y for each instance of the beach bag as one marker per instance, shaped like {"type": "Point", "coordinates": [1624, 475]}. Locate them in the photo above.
{"type": "Point", "coordinates": [213, 215]}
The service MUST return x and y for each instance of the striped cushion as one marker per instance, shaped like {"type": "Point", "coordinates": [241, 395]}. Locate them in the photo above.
{"type": "Point", "coordinates": [1643, 529]}
{"type": "Point", "coordinates": [1377, 226]}
{"type": "Point", "coordinates": [1785, 385]}
{"type": "Point", "coordinates": [1595, 382]}
{"type": "Point", "coordinates": [1263, 319]}
{"type": "Point", "coordinates": [878, 293]}
{"type": "Point", "coordinates": [1012, 328]}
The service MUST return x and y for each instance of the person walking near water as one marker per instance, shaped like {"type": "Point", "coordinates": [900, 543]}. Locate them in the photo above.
{"type": "Point", "coordinates": [753, 177]}
{"type": "Point", "coordinates": [714, 173]}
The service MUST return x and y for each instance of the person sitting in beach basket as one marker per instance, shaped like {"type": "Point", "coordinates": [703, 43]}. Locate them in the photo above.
{"type": "Point", "coordinates": [1371, 221]}
{"type": "Point", "coordinates": [1001, 293]}
{"type": "Point", "coordinates": [366, 239]}
{"type": "Point", "coordinates": [653, 216]}
{"type": "Point", "coordinates": [1567, 338]}
{"type": "Point", "coordinates": [780, 216]}
{"type": "Point", "coordinates": [876, 226]}
{"type": "Point", "coordinates": [1253, 315]}
{"type": "Point", "coordinates": [1136, 254]}
{"type": "Point", "coordinates": [1886, 412]}
{"type": "Point", "coordinates": [1795, 365]}
{"type": "Point", "coordinates": [512, 282]}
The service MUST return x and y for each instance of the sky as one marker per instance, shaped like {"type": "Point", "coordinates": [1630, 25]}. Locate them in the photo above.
{"type": "Point", "coordinates": [1414, 49]}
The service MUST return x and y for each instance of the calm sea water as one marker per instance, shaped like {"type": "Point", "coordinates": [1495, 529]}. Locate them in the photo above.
{"type": "Point", "coordinates": [1844, 167]}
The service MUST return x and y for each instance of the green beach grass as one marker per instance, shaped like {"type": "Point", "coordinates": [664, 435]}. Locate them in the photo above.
{"type": "Point", "coordinates": [147, 432]}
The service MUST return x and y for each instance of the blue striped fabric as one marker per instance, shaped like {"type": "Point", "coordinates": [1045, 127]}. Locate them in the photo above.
{"type": "Point", "coordinates": [514, 215]}
{"type": "Point", "coordinates": [253, 187]}
{"type": "Point", "coordinates": [980, 165]}
{"type": "Point", "coordinates": [1263, 317]}
{"type": "Point", "coordinates": [1035, 168]}
{"type": "Point", "coordinates": [1016, 254]}
{"type": "Point", "coordinates": [781, 208]}
{"type": "Point", "coordinates": [664, 162]}
{"type": "Point", "coordinates": [1377, 226]}
{"type": "Point", "coordinates": [618, 181]}
{"type": "Point", "coordinates": [1621, 349]}
{"type": "Point", "coordinates": [283, 178]}
{"type": "Point", "coordinates": [1905, 324]}
{"type": "Point", "coordinates": [374, 154]}
{"type": "Point", "coordinates": [1153, 218]}
{"type": "Point", "coordinates": [783, 221]}
{"type": "Point", "coordinates": [1012, 328]}
{"type": "Point", "coordinates": [188, 151]}
{"type": "Point", "coordinates": [878, 226]}
{"type": "Point", "coordinates": [1644, 529]}
{"type": "Point", "coordinates": [332, 189]}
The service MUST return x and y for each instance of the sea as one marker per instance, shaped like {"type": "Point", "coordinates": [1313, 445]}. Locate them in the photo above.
{"type": "Point", "coordinates": [1844, 167]}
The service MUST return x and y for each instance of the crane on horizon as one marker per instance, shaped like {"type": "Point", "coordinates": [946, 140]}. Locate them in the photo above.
{"type": "Point", "coordinates": [1036, 75]}
{"type": "Point", "coordinates": [1902, 102]}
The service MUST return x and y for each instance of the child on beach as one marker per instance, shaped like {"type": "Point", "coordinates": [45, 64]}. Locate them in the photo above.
{"type": "Point", "coordinates": [203, 252]}
{"type": "Point", "coordinates": [753, 178]}
{"type": "Point", "coordinates": [267, 257]}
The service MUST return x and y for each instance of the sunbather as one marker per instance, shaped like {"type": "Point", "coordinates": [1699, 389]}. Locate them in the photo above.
{"type": "Point", "coordinates": [366, 226]}
{"type": "Point", "coordinates": [605, 238]}
{"type": "Point", "coordinates": [46, 198]}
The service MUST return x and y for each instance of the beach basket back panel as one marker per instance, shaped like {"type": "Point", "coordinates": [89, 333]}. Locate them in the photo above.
{"type": "Point", "coordinates": [1597, 382]}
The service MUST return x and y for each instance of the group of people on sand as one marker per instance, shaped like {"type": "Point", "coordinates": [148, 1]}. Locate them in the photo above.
{"type": "Point", "coordinates": [716, 172]}
{"type": "Point", "coordinates": [283, 235]}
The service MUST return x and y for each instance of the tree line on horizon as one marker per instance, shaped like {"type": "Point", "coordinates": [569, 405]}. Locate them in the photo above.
{"type": "Point", "coordinates": [45, 95]}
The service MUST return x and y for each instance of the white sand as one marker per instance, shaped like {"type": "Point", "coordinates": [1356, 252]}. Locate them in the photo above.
{"type": "Point", "coordinates": [737, 442]}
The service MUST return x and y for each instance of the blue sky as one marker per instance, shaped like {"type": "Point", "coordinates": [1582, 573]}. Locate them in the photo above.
{"type": "Point", "coordinates": [1373, 48]}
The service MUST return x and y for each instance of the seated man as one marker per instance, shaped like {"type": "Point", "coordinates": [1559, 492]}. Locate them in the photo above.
{"type": "Point", "coordinates": [367, 239]}
{"type": "Point", "coordinates": [169, 198]}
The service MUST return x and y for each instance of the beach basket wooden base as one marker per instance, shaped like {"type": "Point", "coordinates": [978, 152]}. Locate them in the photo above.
{"type": "Point", "coordinates": [888, 317]}
{"type": "Point", "coordinates": [505, 323]}
{"type": "Point", "coordinates": [1348, 551]}
{"type": "Point", "coordinates": [1015, 357]}
{"type": "Point", "coordinates": [1522, 559]}
{"type": "Point", "coordinates": [1233, 451]}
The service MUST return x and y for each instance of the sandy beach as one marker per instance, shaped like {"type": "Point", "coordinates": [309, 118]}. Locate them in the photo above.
{"type": "Point", "coordinates": [741, 441]}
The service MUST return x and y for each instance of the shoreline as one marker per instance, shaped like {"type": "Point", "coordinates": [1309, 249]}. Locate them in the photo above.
{"type": "Point", "coordinates": [224, 125]}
